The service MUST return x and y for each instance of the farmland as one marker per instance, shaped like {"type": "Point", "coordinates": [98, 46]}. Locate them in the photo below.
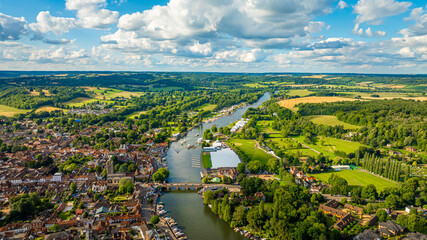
{"type": "Point", "coordinates": [290, 103]}
{"type": "Point", "coordinates": [47, 109]}
{"type": "Point", "coordinates": [10, 111]}
{"type": "Point", "coordinates": [358, 178]}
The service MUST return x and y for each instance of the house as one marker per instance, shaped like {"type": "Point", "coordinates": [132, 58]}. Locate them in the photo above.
{"type": "Point", "coordinates": [390, 229]}
{"type": "Point", "coordinates": [416, 236]}
{"type": "Point", "coordinates": [344, 221]}
{"type": "Point", "coordinates": [101, 210]}
{"type": "Point", "coordinates": [411, 149]}
{"type": "Point", "coordinates": [367, 235]}
{"type": "Point", "coordinates": [59, 236]}
{"type": "Point", "coordinates": [372, 221]}
{"type": "Point", "coordinates": [332, 204]}
{"type": "Point", "coordinates": [355, 209]}
{"type": "Point", "coordinates": [331, 211]}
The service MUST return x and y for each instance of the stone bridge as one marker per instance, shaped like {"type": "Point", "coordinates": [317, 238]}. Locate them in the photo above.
{"type": "Point", "coordinates": [197, 186]}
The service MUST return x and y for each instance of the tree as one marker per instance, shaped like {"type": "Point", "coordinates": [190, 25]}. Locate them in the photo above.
{"type": "Point", "coordinates": [208, 196]}
{"type": "Point", "coordinates": [73, 187]}
{"type": "Point", "coordinates": [55, 228]}
{"type": "Point", "coordinates": [254, 166]}
{"type": "Point", "coordinates": [273, 165]}
{"type": "Point", "coordinates": [239, 216]}
{"type": "Point", "coordinates": [241, 167]}
{"type": "Point", "coordinates": [155, 219]}
{"type": "Point", "coordinates": [382, 215]}
{"type": "Point", "coordinates": [160, 175]}
{"type": "Point", "coordinates": [369, 192]}
{"type": "Point", "coordinates": [126, 186]}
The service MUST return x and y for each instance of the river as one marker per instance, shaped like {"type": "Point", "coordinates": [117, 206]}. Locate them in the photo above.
{"type": "Point", "coordinates": [196, 219]}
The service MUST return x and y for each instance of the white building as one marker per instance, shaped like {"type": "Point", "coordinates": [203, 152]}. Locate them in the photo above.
{"type": "Point", "coordinates": [57, 177]}
{"type": "Point", "coordinates": [341, 167]}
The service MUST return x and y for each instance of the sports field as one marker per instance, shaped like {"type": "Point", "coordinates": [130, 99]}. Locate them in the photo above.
{"type": "Point", "coordinates": [357, 178]}
{"type": "Point", "coordinates": [329, 120]}
{"type": "Point", "coordinates": [10, 111]}
{"type": "Point", "coordinates": [290, 103]}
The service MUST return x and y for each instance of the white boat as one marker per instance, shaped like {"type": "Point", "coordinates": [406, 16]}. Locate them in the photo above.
{"type": "Point", "coordinates": [197, 134]}
{"type": "Point", "coordinates": [162, 212]}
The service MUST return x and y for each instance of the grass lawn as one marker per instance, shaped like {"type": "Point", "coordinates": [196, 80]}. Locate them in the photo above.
{"type": "Point", "coordinates": [206, 107]}
{"type": "Point", "coordinates": [330, 121]}
{"type": "Point", "coordinates": [10, 111]}
{"type": "Point", "coordinates": [330, 145]}
{"type": "Point", "coordinates": [357, 178]}
{"type": "Point", "coordinates": [120, 198]}
{"type": "Point", "coordinates": [206, 160]}
{"type": "Point", "coordinates": [65, 215]}
{"type": "Point", "coordinates": [248, 146]}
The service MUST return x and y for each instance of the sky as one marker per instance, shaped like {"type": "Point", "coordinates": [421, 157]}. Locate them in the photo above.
{"type": "Point", "coordinates": [324, 36]}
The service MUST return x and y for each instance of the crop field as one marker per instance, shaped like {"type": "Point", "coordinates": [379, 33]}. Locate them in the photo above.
{"type": "Point", "coordinates": [329, 120]}
{"type": "Point", "coordinates": [80, 101]}
{"type": "Point", "coordinates": [249, 148]}
{"type": "Point", "coordinates": [299, 92]}
{"type": "Point", "coordinates": [206, 107]}
{"type": "Point", "coordinates": [10, 111]}
{"type": "Point", "coordinates": [290, 103]}
{"type": "Point", "coordinates": [48, 109]}
{"type": "Point", "coordinates": [358, 178]}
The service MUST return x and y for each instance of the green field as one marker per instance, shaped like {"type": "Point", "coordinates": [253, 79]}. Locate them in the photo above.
{"type": "Point", "coordinates": [248, 147]}
{"type": "Point", "coordinates": [206, 160]}
{"type": "Point", "coordinates": [135, 114]}
{"type": "Point", "coordinates": [206, 107]}
{"type": "Point", "coordinates": [357, 178]}
{"type": "Point", "coordinates": [330, 121]}
{"type": "Point", "coordinates": [10, 111]}
{"type": "Point", "coordinates": [328, 145]}
{"type": "Point", "coordinates": [299, 92]}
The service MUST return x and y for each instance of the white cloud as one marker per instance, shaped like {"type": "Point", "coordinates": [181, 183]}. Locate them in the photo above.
{"type": "Point", "coordinates": [57, 25]}
{"type": "Point", "coordinates": [373, 11]}
{"type": "Point", "coordinates": [342, 4]}
{"type": "Point", "coordinates": [12, 28]}
{"type": "Point", "coordinates": [92, 14]}
{"type": "Point", "coordinates": [224, 23]}
{"type": "Point", "coordinates": [419, 15]}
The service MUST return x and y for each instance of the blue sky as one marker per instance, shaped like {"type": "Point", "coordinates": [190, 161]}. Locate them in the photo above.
{"type": "Point", "coordinates": [364, 36]}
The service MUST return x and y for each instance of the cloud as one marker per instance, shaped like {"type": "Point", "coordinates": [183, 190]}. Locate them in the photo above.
{"type": "Point", "coordinates": [211, 29]}
{"type": "Point", "coordinates": [419, 15]}
{"type": "Point", "coordinates": [57, 25]}
{"type": "Point", "coordinates": [12, 28]}
{"type": "Point", "coordinates": [378, 33]}
{"type": "Point", "coordinates": [92, 14]}
{"type": "Point", "coordinates": [342, 4]}
{"type": "Point", "coordinates": [373, 11]}
{"type": "Point", "coordinates": [57, 41]}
